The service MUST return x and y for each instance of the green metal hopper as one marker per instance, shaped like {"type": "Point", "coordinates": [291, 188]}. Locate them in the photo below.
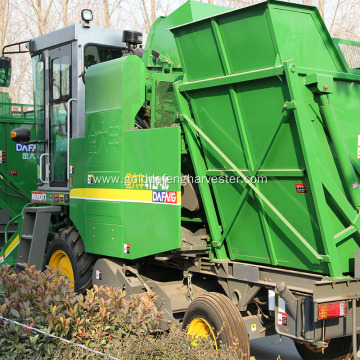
{"type": "Point", "coordinates": [274, 102]}
{"type": "Point", "coordinates": [17, 161]}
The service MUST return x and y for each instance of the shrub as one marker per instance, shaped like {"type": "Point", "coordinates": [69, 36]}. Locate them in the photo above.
{"type": "Point", "coordinates": [172, 345]}
{"type": "Point", "coordinates": [44, 300]}
{"type": "Point", "coordinates": [102, 320]}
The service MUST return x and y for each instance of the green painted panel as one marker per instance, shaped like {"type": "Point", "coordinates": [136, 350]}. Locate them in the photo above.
{"type": "Point", "coordinates": [96, 186]}
{"type": "Point", "coordinates": [247, 40]}
{"type": "Point", "coordinates": [246, 237]}
{"type": "Point", "coordinates": [344, 93]}
{"type": "Point", "coordinates": [299, 210]}
{"type": "Point", "coordinates": [200, 55]}
{"type": "Point", "coordinates": [271, 133]}
{"type": "Point", "coordinates": [77, 180]}
{"type": "Point", "coordinates": [221, 123]}
{"type": "Point", "coordinates": [105, 239]}
{"type": "Point", "coordinates": [8, 253]}
{"type": "Point", "coordinates": [18, 165]}
{"type": "Point", "coordinates": [120, 214]}
{"type": "Point", "coordinates": [152, 223]}
{"type": "Point", "coordinates": [104, 137]}
{"type": "Point", "coordinates": [98, 211]}
{"type": "Point", "coordinates": [301, 36]}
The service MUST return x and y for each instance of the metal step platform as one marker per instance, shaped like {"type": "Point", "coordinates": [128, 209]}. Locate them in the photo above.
{"type": "Point", "coordinates": [33, 238]}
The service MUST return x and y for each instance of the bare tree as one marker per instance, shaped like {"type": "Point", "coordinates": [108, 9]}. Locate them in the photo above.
{"type": "Point", "coordinates": [30, 18]}
{"type": "Point", "coordinates": [321, 7]}
{"type": "Point", "coordinates": [4, 20]}
{"type": "Point", "coordinates": [41, 10]}
{"type": "Point", "coordinates": [64, 11]}
{"type": "Point", "coordinates": [108, 11]}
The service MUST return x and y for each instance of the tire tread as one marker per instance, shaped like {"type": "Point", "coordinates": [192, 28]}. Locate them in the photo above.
{"type": "Point", "coordinates": [69, 239]}
{"type": "Point", "coordinates": [224, 312]}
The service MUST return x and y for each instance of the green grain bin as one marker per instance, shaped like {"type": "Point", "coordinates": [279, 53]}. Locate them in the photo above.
{"type": "Point", "coordinates": [17, 161]}
{"type": "Point", "coordinates": [269, 94]}
{"type": "Point", "coordinates": [5, 108]}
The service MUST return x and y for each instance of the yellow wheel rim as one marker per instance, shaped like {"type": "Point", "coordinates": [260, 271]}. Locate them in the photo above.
{"type": "Point", "coordinates": [200, 328]}
{"type": "Point", "coordinates": [309, 347]}
{"type": "Point", "coordinates": [62, 262]}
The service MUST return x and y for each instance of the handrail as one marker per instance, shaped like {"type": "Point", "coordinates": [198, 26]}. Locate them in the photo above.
{"type": "Point", "coordinates": [7, 227]}
{"type": "Point", "coordinates": [68, 137]}
{"type": "Point", "coordinates": [22, 214]}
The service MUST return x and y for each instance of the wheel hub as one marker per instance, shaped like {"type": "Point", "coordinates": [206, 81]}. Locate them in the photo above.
{"type": "Point", "coordinates": [62, 262]}
{"type": "Point", "coordinates": [200, 328]}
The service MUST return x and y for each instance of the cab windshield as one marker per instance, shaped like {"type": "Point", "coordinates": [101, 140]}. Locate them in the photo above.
{"type": "Point", "coordinates": [95, 54]}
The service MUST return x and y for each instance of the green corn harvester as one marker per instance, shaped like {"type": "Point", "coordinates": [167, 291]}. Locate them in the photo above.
{"type": "Point", "coordinates": [17, 172]}
{"type": "Point", "coordinates": [218, 166]}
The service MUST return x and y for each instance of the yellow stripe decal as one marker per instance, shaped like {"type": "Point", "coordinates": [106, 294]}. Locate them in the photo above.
{"type": "Point", "coordinates": [124, 195]}
{"type": "Point", "coordinates": [12, 246]}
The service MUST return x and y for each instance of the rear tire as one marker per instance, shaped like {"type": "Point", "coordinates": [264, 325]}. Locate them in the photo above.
{"type": "Point", "coordinates": [338, 349]}
{"type": "Point", "coordinates": [67, 253]}
{"type": "Point", "coordinates": [213, 315]}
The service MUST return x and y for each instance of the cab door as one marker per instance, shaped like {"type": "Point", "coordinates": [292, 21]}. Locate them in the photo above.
{"type": "Point", "coordinates": [60, 97]}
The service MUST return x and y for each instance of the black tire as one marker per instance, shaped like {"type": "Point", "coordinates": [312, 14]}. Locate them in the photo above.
{"type": "Point", "coordinates": [338, 349]}
{"type": "Point", "coordinates": [223, 317]}
{"type": "Point", "coordinates": [68, 240]}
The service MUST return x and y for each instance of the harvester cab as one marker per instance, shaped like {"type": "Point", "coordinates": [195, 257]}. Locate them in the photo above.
{"type": "Point", "coordinates": [59, 62]}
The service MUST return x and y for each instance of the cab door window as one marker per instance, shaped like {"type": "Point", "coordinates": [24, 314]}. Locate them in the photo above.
{"type": "Point", "coordinates": [60, 93]}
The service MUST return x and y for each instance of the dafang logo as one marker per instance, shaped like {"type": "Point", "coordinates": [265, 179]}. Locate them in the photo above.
{"type": "Point", "coordinates": [25, 148]}
{"type": "Point", "coordinates": [166, 197]}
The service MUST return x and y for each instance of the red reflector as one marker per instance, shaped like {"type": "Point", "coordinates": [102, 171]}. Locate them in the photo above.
{"type": "Point", "coordinates": [332, 310]}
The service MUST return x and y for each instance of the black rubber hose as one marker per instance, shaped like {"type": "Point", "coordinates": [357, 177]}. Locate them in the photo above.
{"type": "Point", "coordinates": [13, 195]}
{"type": "Point", "coordinates": [14, 189]}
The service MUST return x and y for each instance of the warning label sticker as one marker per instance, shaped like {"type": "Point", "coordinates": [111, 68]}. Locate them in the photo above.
{"type": "Point", "coordinates": [281, 305]}
{"type": "Point", "coordinates": [127, 249]}
{"type": "Point", "coordinates": [38, 197]}
{"type": "Point", "coordinates": [282, 319]}
{"type": "Point", "coordinates": [98, 275]}
{"type": "Point", "coordinates": [300, 188]}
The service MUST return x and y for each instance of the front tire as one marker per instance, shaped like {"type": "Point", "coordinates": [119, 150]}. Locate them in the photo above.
{"type": "Point", "coordinates": [214, 316]}
{"type": "Point", "coordinates": [67, 253]}
{"type": "Point", "coordinates": [338, 349]}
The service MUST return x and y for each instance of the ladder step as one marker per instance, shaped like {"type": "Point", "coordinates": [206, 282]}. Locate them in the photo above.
{"type": "Point", "coordinates": [34, 234]}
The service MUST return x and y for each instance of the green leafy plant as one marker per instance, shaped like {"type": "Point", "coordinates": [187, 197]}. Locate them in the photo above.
{"type": "Point", "coordinates": [44, 300]}
{"type": "Point", "coordinates": [102, 320]}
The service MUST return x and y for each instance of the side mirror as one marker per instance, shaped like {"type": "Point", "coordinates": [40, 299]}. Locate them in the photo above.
{"type": "Point", "coordinates": [20, 135]}
{"type": "Point", "coordinates": [5, 71]}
